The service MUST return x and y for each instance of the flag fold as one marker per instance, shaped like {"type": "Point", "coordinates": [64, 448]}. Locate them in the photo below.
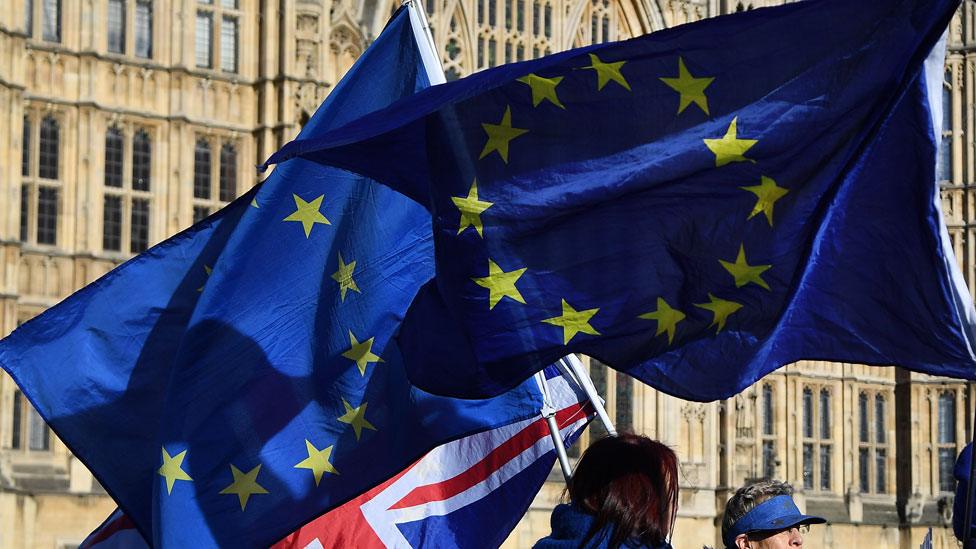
{"type": "Point", "coordinates": [696, 207]}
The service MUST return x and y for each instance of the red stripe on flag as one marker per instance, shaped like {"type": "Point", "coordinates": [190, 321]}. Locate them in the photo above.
{"type": "Point", "coordinates": [344, 526]}
{"type": "Point", "coordinates": [488, 465]}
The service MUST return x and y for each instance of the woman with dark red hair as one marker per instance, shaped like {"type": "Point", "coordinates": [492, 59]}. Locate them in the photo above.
{"type": "Point", "coordinates": [624, 493]}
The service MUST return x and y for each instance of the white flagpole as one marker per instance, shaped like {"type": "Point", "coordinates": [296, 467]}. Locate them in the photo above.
{"type": "Point", "coordinates": [425, 43]}
{"type": "Point", "coordinates": [570, 365]}
{"type": "Point", "coordinates": [549, 413]}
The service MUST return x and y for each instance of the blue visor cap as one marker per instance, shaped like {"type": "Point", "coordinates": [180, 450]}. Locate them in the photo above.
{"type": "Point", "coordinates": [777, 513]}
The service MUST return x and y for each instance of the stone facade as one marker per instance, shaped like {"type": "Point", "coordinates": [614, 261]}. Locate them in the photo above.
{"type": "Point", "coordinates": [124, 121]}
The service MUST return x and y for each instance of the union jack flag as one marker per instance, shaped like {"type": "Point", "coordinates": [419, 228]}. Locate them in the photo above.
{"type": "Point", "coordinates": [470, 492]}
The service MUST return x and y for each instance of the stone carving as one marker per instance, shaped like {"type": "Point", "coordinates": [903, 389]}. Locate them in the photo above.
{"type": "Point", "coordinates": [307, 99]}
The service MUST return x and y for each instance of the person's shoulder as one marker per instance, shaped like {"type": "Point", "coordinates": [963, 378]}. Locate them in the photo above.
{"type": "Point", "coordinates": [570, 524]}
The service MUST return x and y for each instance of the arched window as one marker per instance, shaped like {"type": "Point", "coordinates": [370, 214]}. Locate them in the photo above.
{"type": "Point", "coordinates": [536, 17]}
{"type": "Point", "coordinates": [116, 26]}
{"type": "Point", "coordinates": [144, 29]}
{"type": "Point", "coordinates": [807, 412]}
{"type": "Point", "coordinates": [826, 448]}
{"type": "Point", "coordinates": [40, 187]}
{"type": "Point", "coordinates": [769, 455]}
{"type": "Point", "coordinates": [48, 157]}
{"type": "Point", "coordinates": [51, 20]}
{"type": "Point", "coordinates": [880, 451]}
{"type": "Point", "coordinates": [228, 172]}
{"type": "Point", "coordinates": [548, 21]}
{"type": "Point", "coordinates": [947, 440]}
{"type": "Point", "coordinates": [824, 413]}
{"type": "Point", "coordinates": [113, 157]}
{"type": "Point", "coordinates": [864, 452]}
{"type": "Point", "coordinates": [201, 169]}
{"type": "Point", "coordinates": [141, 161]}
{"type": "Point", "coordinates": [25, 152]}
{"type": "Point", "coordinates": [807, 436]}
{"type": "Point", "coordinates": [767, 407]}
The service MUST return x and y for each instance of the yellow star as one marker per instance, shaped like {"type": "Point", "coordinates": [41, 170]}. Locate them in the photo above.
{"type": "Point", "coordinates": [245, 485]}
{"type": "Point", "coordinates": [605, 72]}
{"type": "Point", "coordinates": [666, 317]}
{"type": "Point", "coordinates": [317, 461]}
{"type": "Point", "coordinates": [344, 277]}
{"type": "Point", "coordinates": [172, 469]}
{"type": "Point", "coordinates": [767, 193]}
{"type": "Point", "coordinates": [361, 353]}
{"type": "Point", "coordinates": [209, 271]}
{"type": "Point", "coordinates": [692, 89]}
{"type": "Point", "coordinates": [471, 209]}
{"type": "Point", "coordinates": [543, 89]}
{"type": "Point", "coordinates": [745, 273]}
{"type": "Point", "coordinates": [721, 308]}
{"type": "Point", "coordinates": [500, 284]}
{"type": "Point", "coordinates": [356, 417]}
{"type": "Point", "coordinates": [308, 214]}
{"type": "Point", "coordinates": [730, 148]}
{"type": "Point", "coordinates": [573, 322]}
{"type": "Point", "coordinates": [499, 136]}
{"type": "Point", "coordinates": [254, 203]}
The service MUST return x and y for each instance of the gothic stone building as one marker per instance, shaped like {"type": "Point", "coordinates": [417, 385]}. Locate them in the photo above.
{"type": "Point", "coordinates": [124, 121]}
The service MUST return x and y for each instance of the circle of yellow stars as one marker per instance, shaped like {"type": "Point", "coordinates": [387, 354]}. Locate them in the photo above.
{"type": "Point", "coordinates": [727, 149]}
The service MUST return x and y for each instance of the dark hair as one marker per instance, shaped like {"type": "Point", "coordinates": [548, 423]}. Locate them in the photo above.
{"type": "Point", "coordinates": [629, 482]}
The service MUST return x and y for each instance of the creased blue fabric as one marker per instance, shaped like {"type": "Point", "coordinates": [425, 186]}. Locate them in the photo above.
{"type": "Point", "coordinates": [570, 525]}
{"type": "Point", "coordinates": [696, 270]}
{"type": "Point", "coordinates": [233, 350]}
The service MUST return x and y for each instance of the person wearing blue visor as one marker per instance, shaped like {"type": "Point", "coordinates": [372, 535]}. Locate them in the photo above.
{"type": "Point", "coordinates": [961, 472]}
{"type": "Point", "coordinates": [763, 516]}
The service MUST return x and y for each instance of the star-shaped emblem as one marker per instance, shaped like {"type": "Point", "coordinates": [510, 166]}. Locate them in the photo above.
{"type": "Point", "coordinates": [361, 353]}
{"type": "Point", "coordinates": [317, 461]}
{"type": "Point", "coordinates": [500, 284]}
{"type": "Point", "coordinates": [500, 135]}
{"type": "Point", "coordinates": [767, 193]}
{"type": "Point", "coordinates": [743, 272]}
{"type": "Point", "coordinates": [471, 208]}
{"type": "Point", "coordinates": [308, 214]}
{"type": "Point", "coordinates": [573, 322]}
{"type": "Point", "coordinates": [691, 89]}
{"type": "Point", "coordinates": [356, 417]}
{"type": "Point", "coordinates": [729, 148]}
{"type": "Point", "coordinates": [543, 89]}
{"type": "Point", "coordinates": [667, 319]}
{"type": "Point", "coordinates": [607, 72]}
{"type": "Point", "coordinates": [721, 310]}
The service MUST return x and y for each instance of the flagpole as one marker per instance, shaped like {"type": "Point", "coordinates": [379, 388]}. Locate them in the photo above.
{"type": "Point", "coordinates": [549, 413]}
{"type": "Point", "coordinates": [572, 365]}
{"type": "Point", "coordinates": [425, 43]}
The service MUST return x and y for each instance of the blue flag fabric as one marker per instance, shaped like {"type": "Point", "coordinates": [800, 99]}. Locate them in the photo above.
{"type": "Point", "coordinates": [696, 207]}
{"type": "Point", "coordinates": [240, 378]}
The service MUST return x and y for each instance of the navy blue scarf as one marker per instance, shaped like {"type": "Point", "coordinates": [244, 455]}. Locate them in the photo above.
{"type": "Point", "coordinates": [570, 525]}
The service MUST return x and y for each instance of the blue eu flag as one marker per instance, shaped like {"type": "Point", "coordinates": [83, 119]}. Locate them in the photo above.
{"type": "Point", "coordinates": [696, 207]}
{"type": "Point", "coordinates": [240, 379]}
